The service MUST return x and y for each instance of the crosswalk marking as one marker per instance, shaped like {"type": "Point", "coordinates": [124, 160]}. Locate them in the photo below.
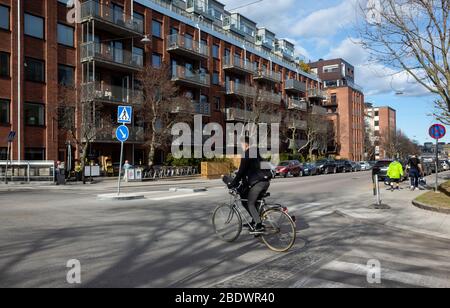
{"type": "Point", "coordinates": [389, 274]}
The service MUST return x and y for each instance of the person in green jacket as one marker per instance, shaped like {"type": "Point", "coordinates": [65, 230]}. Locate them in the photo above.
{"type": "Point", "coordinates": [395, 173]}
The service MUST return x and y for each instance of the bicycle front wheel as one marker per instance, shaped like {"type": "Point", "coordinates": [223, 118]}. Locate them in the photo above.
{"type": "Point", "coordinates": [280, 232]}
{"type": "Point", "coordinates": [227, 223]}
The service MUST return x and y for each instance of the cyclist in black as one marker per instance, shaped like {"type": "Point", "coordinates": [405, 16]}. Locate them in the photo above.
{"type": "Point", "coordinates": [255, 178]}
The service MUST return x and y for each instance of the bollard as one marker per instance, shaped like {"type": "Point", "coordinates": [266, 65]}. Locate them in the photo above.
{"type": "Point", "coordinates": [378, 204]}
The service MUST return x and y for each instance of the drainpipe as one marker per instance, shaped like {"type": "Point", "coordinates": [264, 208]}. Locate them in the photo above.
{"type": "Point", "coordinates": [19, 81]}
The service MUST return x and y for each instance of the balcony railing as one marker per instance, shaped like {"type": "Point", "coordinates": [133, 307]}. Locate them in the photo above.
{"type": "Point", "coordinates": [182, 74]}
{"type": "Point", "coordinates": [98, 91]}
{"type": "Point", "coordinates": [103, 53]}
{"type": "Point", "coordinates": [233, 88]}
{"type": "Point", "coordinates": [294, 85]}
{"type": "Point", "coordinates": [297, 104]}
{"type": "Point", "coordinates": [231, 24]}
{"type": "Point", "coordinates": [94, 10]}
{"type": "Point", "coordinates": [240, 115]}
{"type": "Point", "coordinates": [317, 93]}
{"type": "Point", "coordinates": [239, 65]}
{"type": "Point", "coordinates": [197, 108]}
{"type": "Point", "coordinates": [293, 122]}
{"type": "Point", "coordinates": [319, 110]}
{"type": "Point", "coordinates": [268, 76]}
{"type": "Point", "coordinates": [270, 97]}
{"type": "Point", "coordinates": [187, 46]}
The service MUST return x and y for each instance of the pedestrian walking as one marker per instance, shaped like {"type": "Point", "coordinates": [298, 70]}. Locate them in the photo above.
{"type": "Point", "coordinates": [395, 173]}
{"type": "Point", "coordinates": [126, 167]}
{"type": "Point", "coordinates": [78, 170]}
{"type": "Point", "coordinates": [415, 172]}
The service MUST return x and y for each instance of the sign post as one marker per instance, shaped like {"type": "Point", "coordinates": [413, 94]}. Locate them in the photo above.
{"type": "Point", "coordinates": [11, 137]}
{"type": "Point", "coordinates": [437, 131]}
{"type": "Point", "coordinates": [124, 116]}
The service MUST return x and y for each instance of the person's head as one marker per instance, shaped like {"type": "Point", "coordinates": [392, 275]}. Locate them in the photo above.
{"type": "Point", "coordinates": [127, 162]}
{"type": "Point", "coordinates": [414, 156]}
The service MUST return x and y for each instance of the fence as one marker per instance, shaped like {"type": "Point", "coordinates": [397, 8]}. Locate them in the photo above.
{"type": "Point", "coordinates": [160, 172]}
{"type": "Point", "coordinates": [27, 171]}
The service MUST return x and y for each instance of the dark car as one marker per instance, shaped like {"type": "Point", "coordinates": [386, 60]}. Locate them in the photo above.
{"type": "Point", "coordinates": [326, 166]}
{"type": "Point", "coordinates": [381, 168]}
{"type": "Point", "coordinates": [290, 167]}
{"type": "Point", "coordinates": [310, 169]}
{"type": "Point", "coordinates": [343, 166]}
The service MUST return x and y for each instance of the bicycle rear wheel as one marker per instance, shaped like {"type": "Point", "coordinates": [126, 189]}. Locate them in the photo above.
{"type": "Point", "coordinates": [227, 223]}
{"type": "Point", "coordinates": [280, 232]}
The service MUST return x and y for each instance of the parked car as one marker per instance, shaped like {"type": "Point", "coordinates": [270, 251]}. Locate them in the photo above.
{"type": "Point", "coordinates": [326, 166]}
{"type": "Point", "coordinates": [290, 167]}
{"type": "Point", "coordinates": [310, 169]}
{"type": "Point", "coordinates": [365, 166]}
{"type": "Point", "coordinates": [343, 166]}
{"type": "Point", "coordinates": [356, 167]}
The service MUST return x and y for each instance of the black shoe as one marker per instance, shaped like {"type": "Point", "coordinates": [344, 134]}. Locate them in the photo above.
{"type": "Point", "coordinates": [260, 229]}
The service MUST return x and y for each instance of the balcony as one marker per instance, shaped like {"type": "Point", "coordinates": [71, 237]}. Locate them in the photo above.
{"type": "Point", "coordinates": [104, 93]}
{"type": "Point", "coordinates": [108, 56]}
{"type": "Point", "coordinates": [264, 75]}
{"type": "Point", "coordinates": [197, 108]}
{"type": "Point", "coordinates": [187, 47]}
{"type": "Point", "coordinates": [293, 122]}
{"type": "Point", "coordinates": [231, 24]}
{"type": "Point", "coordinates": [295, 86]}
{"type": "Point", "coordinates": [110, 20]}
{"type": "Point", "coordinates": [297, 104]}
{"type": "Point", "coordinates": [137, 135]}
{"type": "Point", "coordinates": [200, 7]}
{"type": "Point", "coordinates": [238, 65]}
{"type": "Point", "coordinates": [319, 110]}
{"type": "Point", "coordinates": [317, 93]}
{"type": "Point", "coordinates": [187, 77]}
{"type": "Point", "coordinates": [270, 97]}
{"type": "Point", "coordinates": [238, 89]}
{"type": "Point", "coordinates": [240, 115]}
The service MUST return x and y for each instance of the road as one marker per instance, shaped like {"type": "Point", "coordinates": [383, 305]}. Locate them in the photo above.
{"type": "Point", "coordinates": [166, 240]}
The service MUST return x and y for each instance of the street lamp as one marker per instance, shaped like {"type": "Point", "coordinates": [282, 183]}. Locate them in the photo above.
{"type": "Point", "coordinates": [146, 40]}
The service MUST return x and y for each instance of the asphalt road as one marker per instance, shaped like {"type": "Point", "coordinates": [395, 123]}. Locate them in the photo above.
{"type": "Point", "coordinates": [167, 240]}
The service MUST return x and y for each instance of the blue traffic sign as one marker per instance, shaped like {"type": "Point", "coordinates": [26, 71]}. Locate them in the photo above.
{"type": "Point", "coordinates": [437, 131]}
{"type": "Point", "coordinates": [122, 133]}
{"type": "Point", "coordinates": [124, 114]}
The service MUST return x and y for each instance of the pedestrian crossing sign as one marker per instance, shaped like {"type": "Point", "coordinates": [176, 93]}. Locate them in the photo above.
{"type": "Point", "coordinates": [124, 114]}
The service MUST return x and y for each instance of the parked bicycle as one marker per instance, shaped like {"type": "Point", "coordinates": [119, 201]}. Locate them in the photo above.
{"type": "Point", "coordinates": [280, 229]}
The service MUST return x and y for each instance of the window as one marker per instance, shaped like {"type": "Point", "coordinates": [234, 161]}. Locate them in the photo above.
{"type": "Point", "coordinates": [216, 51]}
{"type": "Point", "coordinates": [157, 28]}
{"type": "Point", "coordinates": [4, 111]}
{"type": "Point", "coordinates": [3, 153]}
{"type": "Point", "coordinates": [34, 26]}
{"type": "Point", "coordinates": [215, 78]}
{"type": "Point", "coordinates": [4, 64]}
{"type": "Point", "coordinates": [63, 1]}
{"type": "Point", "coordinates": [34, 114]}
{"type": "Point", "coordinates": [117, 14]}
{"type": "Point", "coordinates": [65, 35]}
{"type": "Point", "coordinates": [217, 103]}
{"type": "Point", "coordinates": [173, 31]}
{"type": "Point", "coordinates": [138, 56]}
{"type": "Point", "coordinates": [34, 153]}
{"type": "Point", "coordinates": [203, 99]}
{"type": "Point", "coordinates": [156, 60]}
{"type": "Point", "coordinates": [377, 113]}
{"type": "Point", "coordinates": [377, 123]}
{"type": "Point", "coordinates": [34, 70]}
{"type": "Point", "coordinates": [66, 75]}
{"type": "Point", "coordinates": [4, 17]}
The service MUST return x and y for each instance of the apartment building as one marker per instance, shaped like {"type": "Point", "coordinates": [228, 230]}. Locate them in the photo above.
{"type": "Point", "coordinates": [344, 101]}
{"type": "Point", "coordinates": [382, 123]}
{"type": "Point", "coordinates": [217, 58]}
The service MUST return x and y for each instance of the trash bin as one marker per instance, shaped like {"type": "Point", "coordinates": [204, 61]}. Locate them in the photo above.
{"type": "Point", "coordinates": [60, 177]}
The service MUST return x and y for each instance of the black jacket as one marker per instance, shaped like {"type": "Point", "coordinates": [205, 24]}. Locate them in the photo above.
{"type": "Point", "coordinates": [250, 171]}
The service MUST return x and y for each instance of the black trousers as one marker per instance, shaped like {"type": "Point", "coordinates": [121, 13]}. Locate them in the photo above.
{"type": "Point", "coordinates": [254, 194]}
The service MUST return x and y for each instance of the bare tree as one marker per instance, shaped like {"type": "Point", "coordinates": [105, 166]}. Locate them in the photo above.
{"type": "Point", "coordinates": [80, 119]}
{"type": "Point", "coordinates": [412, 36]}
{"type": "Point", "coordinates": [317, 137]}
{"type": "Point", "coordinates": [369, 142]}
{"type": "Point", "coordinates": [162, 106]}
{"type": "Point", "coordinates": [399, 145]}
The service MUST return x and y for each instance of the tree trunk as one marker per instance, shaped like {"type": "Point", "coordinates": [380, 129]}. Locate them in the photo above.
{"type": "Point", "coordinates": [83, 161]}
{"type": "Point", "coordinates": [152, 150]}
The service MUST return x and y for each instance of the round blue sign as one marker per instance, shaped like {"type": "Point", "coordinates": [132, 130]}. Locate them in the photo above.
{"type": "Point", "coordinates": [122, 133]}
{"type": "Point", "coordinates": [437, 131]}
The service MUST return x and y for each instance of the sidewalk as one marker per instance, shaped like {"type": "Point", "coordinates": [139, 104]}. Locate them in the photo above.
{"type": "Point", "coordinates": [402, 214]}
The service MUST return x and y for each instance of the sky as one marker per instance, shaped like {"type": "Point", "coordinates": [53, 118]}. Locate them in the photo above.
{"type": "Point", "coordinates": [326, 29]}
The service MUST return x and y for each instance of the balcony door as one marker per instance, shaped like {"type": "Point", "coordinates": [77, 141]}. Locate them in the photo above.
{"type": "Point", "coordinates": [117, 51]}
{"type": "Point", "coordinates": [120, 88]}
{"type": "Point", "coordinates": [188, 41]}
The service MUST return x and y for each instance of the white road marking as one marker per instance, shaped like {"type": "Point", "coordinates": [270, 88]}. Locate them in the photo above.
{"type": "Point", "coordinates": [388, 274]}
{"type": "Point", "coordinates": [177, 197]}
{"type": "Point", "coordinates": [325, 284]}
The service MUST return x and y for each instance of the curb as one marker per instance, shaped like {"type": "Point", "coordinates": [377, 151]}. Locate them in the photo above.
{"type": "Point", "coordinates": [123, 197]}
{"type": "Point", "coordinates": [430, 208]}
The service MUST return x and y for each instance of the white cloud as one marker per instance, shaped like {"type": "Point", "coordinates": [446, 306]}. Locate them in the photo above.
{"type": "Point", "coordinates": [375, 78]}
{"type": "Point", "coordinates": [328, 21]}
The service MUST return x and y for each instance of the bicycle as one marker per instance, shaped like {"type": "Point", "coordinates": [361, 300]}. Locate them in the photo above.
{"type": "Point", "coordinates": [280, 229]}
